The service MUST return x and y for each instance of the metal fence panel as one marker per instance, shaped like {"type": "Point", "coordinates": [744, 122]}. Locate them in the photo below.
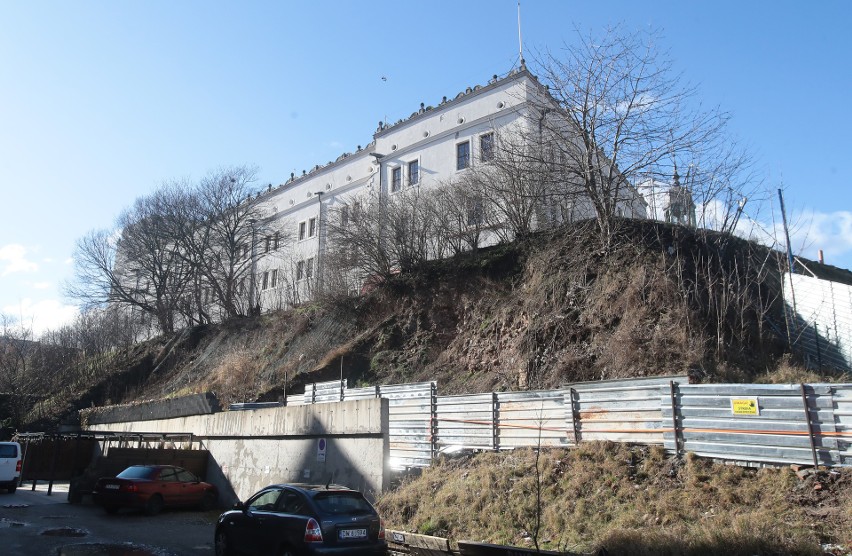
{"type": "Point", "coordinates": [822, 327]}
{"type": "Point", "coordinates": [365, 393]}
{"type": "Point", "coordinates": [625, 410]}
{"type": "Point", "coordinates": [325, 392]}
{"type": "Point", "coordinates": [465, 421]}
{"type": "Point", "coordinates": [842, 398]}
{"type": "Point", "coordinates": [410, 408]}
{"type": "Point", "coordinates": [533, 419]}
{"type": "Point", "coordinates": [751, 422]}
{"type": "Point", "coordinates": [656, 410]}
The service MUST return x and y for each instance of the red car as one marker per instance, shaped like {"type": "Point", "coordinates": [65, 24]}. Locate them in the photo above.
{"type": "Point", "coordinates": [153, 487]}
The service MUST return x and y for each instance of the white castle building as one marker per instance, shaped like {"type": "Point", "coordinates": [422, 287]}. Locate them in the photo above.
{"type": "Point", "coordinates": [433, 146]}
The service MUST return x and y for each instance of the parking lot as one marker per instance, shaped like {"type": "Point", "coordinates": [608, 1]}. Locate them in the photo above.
{"type": "Point", "coordinates": [33, 523]}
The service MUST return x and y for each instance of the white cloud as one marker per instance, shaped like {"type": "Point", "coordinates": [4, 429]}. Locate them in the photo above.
{"type": "Point", "coordinates": [831, 232]}
{"type": "Point", "coordinates": [810, 231]}
{"type": "Point", "coordinates": [46, 314]}
{"type": "Point", "coordinates": [41, 285]}
{"type": "Point", "coordinates": [13, 259]}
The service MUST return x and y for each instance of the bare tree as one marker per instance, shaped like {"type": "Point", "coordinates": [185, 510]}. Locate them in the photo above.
{"type": "Point", "coordinates": [376, 236]}
{"type": "Point", "coordinates": [220, 235]}
{"type": "Point", "coordinates": [617, 114]}
{"type": "Point", "coordinates": [356, 238]}
{"type": "Point", "coordinates": [17, 380]}
{"type": "Point", "coordinates": [136, 265]}
{"type": "Point", "coordinates": [507, 189]}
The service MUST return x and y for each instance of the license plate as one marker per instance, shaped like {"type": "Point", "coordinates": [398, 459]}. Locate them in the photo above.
{"type": "Point", "coordinates": [111, 487]}
{"type": "Point", "coordinates": [353, 534]}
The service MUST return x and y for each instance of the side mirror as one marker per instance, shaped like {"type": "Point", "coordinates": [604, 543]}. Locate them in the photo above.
{"type": "Point", "coordinates": [239, 506]}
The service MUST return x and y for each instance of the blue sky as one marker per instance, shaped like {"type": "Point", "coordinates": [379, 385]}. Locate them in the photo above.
{"type": "Point", "coordinates": [101, 101]}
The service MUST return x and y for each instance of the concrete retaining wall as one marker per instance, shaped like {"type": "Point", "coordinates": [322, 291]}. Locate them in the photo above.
{"type": "Point", "coordinates": [346, 443]}
{"type": "Point", "coordinates": [192, 404]}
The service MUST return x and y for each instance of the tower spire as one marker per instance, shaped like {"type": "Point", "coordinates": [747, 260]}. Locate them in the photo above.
{"type": "Point", "coordinates": [520, 39]}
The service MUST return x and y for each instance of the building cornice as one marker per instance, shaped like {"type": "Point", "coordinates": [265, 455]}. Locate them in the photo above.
{"type": "Point", "coordinates": [467, 94]}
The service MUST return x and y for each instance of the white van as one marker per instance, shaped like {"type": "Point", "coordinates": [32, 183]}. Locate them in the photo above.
{"type": "Point", "coordinates": [10, 465]}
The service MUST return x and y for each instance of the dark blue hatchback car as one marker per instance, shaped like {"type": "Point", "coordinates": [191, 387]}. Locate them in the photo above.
{"type": "Point", "coordinates": [300, 519]}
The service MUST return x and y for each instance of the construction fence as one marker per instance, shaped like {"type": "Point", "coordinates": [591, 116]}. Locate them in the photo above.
{"type": "Point", "coordinates": [819, 321]}
{"type": "Point", "coordinates": [750, 424]}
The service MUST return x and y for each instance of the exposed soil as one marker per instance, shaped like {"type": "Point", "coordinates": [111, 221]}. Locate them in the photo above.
{"type": "Point", "coordinates": [557, 307]}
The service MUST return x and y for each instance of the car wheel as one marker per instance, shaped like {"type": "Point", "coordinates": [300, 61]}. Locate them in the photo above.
{"type": "Point", "coordinates": [208, 502]}
{"type": "Point", "coordinates": [154, 505]}
{"type": "Point", "coordinates": [223, 547]}
{"type": "Point", "coordinates": [110, 509]}
{"type": "Point", "coordinates": [74, 496]}
{"type": "Point", "coordinates": [13, 488]}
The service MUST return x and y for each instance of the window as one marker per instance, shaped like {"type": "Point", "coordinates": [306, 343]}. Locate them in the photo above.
{"type": "Point", "coordinates": [185, 476]}
{"type": "Point", "coordinates": [273, 278]}
{"type": "Point", "coordinates": [265, 280]}
{"type": "Point", "coordinates": [268, 244]}
{"type": "Point", "coordinates": [396, 179]}
{"type": "Point", "coordinates": [344, 216]}
{"type": "Point", "coordinates": [486, 147]}
{"type": "Point", "coordinates": [300, 270]}
{"type": "Point", "coordinates": [475, 212]}
{"type": "Point", "coordinates": [309, 267]}
{"type": "Point", "coordinates": [414, 172]}
{"type": "Point", "coordinates": [302, 230]}
{"type": "Point", "coordinates": [167, 474]}
{"type": "Point", "coordinates": [342, 503]}
{"type": "Point", "coordinates": [312, 227]}
{"type": "Point", "coordinates": [276, 241]}
{"type": "Point", "coordinates": [462, 155]}
{"type": "Point", "coordinates": [265, 502]}
{"type": "Point", "coordinates": [290, 503]}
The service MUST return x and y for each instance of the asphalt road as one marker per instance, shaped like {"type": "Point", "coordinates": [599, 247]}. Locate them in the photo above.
{"type": "Point", "coordinates": [35, 524]}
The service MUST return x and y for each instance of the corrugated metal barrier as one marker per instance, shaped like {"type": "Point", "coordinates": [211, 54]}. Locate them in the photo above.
{"type": "Point", "coordinates": [744, 423]}
{"type": "Point", "coordinates": [822, 325]}
{"type": "Point", "coordinates": [619, 410]}
{"type": "Point", "coordinates": [772, 423]}
{"type": "Point", "coordinates": [410, 411]}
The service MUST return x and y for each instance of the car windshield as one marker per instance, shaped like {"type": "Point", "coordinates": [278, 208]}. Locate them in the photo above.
{"type": "Point", "coordinates": [137, 472]}
{"type": "Point", "coordinates": [342, 503]}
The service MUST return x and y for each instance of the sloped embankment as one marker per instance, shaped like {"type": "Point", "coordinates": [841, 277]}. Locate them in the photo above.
{"type": "Point", "coordinates": [629, 500]}
{"type": "Point", "coordinates": [556, 307]}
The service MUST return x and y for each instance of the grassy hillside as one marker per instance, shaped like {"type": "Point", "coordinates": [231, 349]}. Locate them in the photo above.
{"type": "Point", "coordinates": [557, 307]}
{"type": "Point", "coordinates": [632, 501]}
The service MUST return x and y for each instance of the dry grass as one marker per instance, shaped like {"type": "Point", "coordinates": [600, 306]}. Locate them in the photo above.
{"type": "Point", "coordinates": [236, 378]}
{"type": "Point", "coordinates": [789, 372]}
{"type": "Point", "coordinates": [629, 500]}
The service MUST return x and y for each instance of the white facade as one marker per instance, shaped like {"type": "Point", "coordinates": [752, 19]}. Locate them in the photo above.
{"type": "Point", "coordinates": [420, 151]}
{"type": "Point", "coordinates": [670, 203]}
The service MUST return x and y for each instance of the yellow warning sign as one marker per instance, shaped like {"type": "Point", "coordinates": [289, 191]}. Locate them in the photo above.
{"type": "Point", "coordinates": [744, 406]}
